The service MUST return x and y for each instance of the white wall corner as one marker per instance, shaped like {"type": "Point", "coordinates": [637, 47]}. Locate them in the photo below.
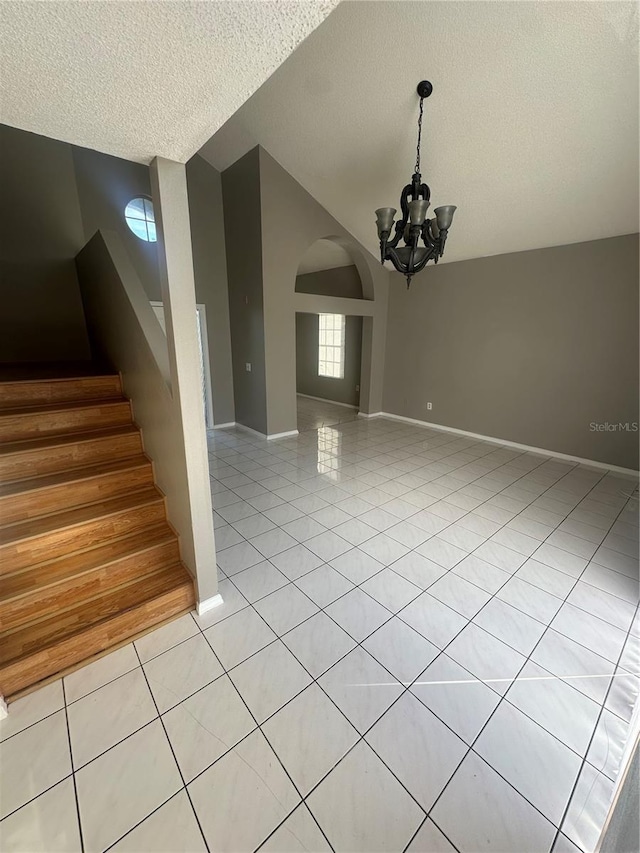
{"type": "Point", "coordinates": [209, 604]}
{"type": "Point", "coordinates": [4, 710]}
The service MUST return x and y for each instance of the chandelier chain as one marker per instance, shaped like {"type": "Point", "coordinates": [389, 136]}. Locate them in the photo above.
{"type": "Point", "coordinates": [419, 135]}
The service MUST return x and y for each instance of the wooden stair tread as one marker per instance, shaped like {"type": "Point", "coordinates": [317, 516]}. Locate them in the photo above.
{"type": "Point", "coordinates": [30, 390]}
{"type": "Point", "coordinates": [62, 406]}
{"type": "Point", "coordinates": [52, 441]}
{"type": "Point", "coordinates": [41, 576]}
{"type": "Point", "coordinates": [71, 475]}
{"type": "Point", "coordinates": [49, 632]}
{"type": "Point", "coordinates": [77, 515]}
{"type": "Point", "coordinates": [21, 530]}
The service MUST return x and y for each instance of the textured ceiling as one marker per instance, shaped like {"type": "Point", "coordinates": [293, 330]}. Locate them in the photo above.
{"type": "Point", "coordinates": [324, 255]}
{"type": "Point", "coordinates": [532, 129]}
{"type": "Point", "coordinates": [140, 79]}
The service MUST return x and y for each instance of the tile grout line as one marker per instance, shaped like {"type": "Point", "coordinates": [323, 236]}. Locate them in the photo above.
{"type": "Point", "coordinates": [505, 524]}
{"type": "Point", "coordinates": [406, 688]}
{"type": "Point", "coordinates": [289, 581]}
{"type": "Point", "coordinates": [73, 775]}
{"type": "Point", "coordinates": [447, 570]}
{"type": "Point", "coordinates": [168, 740]}
{"type": "Point", "coordinates": [504, 697]}
{"type": "Point", "coordinates": [595, 728]}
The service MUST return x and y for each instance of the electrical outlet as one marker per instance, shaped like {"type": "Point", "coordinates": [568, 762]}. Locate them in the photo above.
{"type": "Point", "coordinates": [247, 367]}
{"type": "Point", "coordinates": [429, 407]}
{"type": "Point", "coordinates": [357, 387]}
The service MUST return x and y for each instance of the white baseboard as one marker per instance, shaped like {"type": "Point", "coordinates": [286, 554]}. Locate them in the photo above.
{"type": "Point", "coordinates": [269, 437]}
{"type": "Point", "coordinates": [326, 400]}
{"type": "Point", "coordinates": [282, 434]}
{"type": "Point", "coordinates": [4, 711]}
{"type": "Point", "coordinates": [209, 604]}
{"type": "Point", "coordinates": [524, 447]}
{"type": "Point", "coordinates": [371, 414]}
{"type": "Point", "coordinates": [224, 426]}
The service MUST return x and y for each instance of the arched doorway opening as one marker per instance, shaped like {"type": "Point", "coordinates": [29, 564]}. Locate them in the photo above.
{"type": "Point", "coordinates": [329, 339]}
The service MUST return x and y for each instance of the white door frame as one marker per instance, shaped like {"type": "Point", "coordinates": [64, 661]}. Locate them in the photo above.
{"type": "Point", "coordinates": [204, 339]}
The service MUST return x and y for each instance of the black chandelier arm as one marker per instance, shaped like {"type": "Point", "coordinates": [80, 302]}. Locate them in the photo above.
{"type": "Point", "coordinates": [427, 238]}
{"type": "Point", "coordinates": [414, 190]}
{"type": "Point", "coordinates": [400, 226]}
{"type": "Point", "coordinates": [424, 192]}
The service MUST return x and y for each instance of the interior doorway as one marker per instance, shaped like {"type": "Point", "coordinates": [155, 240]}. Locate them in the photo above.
{"type": "Point", "coordinates": [328, 342]}
{"type": "Point", "coordinates": [203, 347]}
{"type": "Point", "coordinates": [328, 359]}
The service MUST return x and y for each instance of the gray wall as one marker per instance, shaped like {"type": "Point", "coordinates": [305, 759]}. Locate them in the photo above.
{"type": "Point", "coordinates": [531, 347]}
{"type": "Point", "coordinates": [210, 269]}
{"type": "Point", "coordinates": [105, 186]}
{"type": "Point", "coordinates": [243, 240]}
{"type": "Point", "coordinates": [345, 390]}
{"type": "Point", "coordinates": [41, 317]}
{"type": "Point", "coordinates": [292, 221]}
{"type": "Point", "coordinates": [339, 281]}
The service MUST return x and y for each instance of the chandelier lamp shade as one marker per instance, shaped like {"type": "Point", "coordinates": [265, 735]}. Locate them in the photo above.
{"type": "Point", "coordinates": [414, 227]}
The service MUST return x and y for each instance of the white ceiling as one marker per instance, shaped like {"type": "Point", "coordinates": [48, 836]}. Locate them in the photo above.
{"type": "Point", "coordinates": [532, 129]}
{"type": "Point", "coordinates": [140, 79]}
{"type": "Point", "coordinates": [324, 255]}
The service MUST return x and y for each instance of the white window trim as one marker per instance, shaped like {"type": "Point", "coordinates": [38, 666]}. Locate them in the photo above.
{"type": "Point", "coordinates": [146, 219]}
{"type": "Point", "coordinates": [339, 347]}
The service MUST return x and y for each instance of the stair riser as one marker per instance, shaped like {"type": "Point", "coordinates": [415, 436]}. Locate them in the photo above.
{"type": "Point", "coordinates": [42, 393]}
{"type": "Point", "coordinates": [120, 627]}
{"type": "Point", "coordinates": [56, 543]}
{"type": "Point", "coordinates": [36, 424]}
{"type": "Point", "coordinates": [47, 460]}
{"type": "Point", "coordinates": [46, 601]}
{"type": "Point", "coordinates": [67, 495]}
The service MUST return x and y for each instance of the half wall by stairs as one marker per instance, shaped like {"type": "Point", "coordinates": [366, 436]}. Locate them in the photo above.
{"type": "Point", "coordinates": [87, 558]}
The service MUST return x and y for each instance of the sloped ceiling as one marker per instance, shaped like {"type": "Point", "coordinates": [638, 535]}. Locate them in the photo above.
{"type": "Point", "coordinates": [140, 79]}
{"type": "Point", "coordinates": [532, 129]}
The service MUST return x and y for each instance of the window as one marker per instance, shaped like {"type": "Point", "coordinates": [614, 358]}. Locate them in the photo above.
{"type": "Point", "coordinates": [140, 218]}
{"type": "Point", "coordinates": [331, 345]}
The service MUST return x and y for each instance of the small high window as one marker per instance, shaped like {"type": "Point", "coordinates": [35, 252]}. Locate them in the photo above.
{"type": "Point", "coordinates": [331, 333]}
{"type": "Point", "coordinates": [140, 218]}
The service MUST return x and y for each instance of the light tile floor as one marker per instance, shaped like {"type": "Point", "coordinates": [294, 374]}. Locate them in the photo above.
{"type": "Point", "coordinates": [315, 414]}
{"type": "Point", "coordinates": [427, 643]}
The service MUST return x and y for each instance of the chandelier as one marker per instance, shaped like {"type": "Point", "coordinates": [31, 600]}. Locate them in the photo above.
{"type": "Point", "coordinates": [414, 226]}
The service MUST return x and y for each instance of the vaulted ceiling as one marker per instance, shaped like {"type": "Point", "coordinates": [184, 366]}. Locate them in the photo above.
{"type": "Point", "coordinates": [532, 128]}
{"type": "Point", "coordinates": [141, 79]}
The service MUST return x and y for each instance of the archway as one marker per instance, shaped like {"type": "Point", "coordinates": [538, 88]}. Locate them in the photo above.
{"type": "Point", "coordinates": [329, 339]}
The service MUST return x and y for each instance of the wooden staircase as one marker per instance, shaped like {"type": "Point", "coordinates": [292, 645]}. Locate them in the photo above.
{"type": "Point", "coordinates": [87, 558]}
